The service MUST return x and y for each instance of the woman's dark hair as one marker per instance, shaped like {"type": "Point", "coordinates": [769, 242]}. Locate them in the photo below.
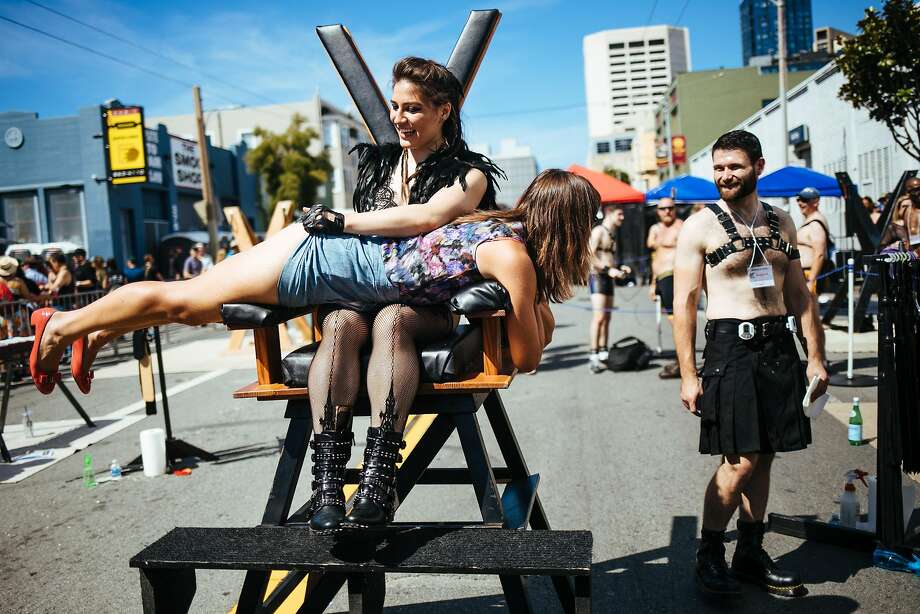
{"type": "Point", "coordinates": [743, 140]}
{"type": "Point", "coordinates": [59, 258]}
{"type": "Point", "coordinates": [557, 211]}
{"type": "Point", "coordinates": [439, 86]}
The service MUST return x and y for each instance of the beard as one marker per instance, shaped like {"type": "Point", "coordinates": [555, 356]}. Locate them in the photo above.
{"type": "Point", "coordinates": [744, 189]}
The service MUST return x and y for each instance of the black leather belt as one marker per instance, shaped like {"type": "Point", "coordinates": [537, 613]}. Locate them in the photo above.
{"type": "Point", "coordinates": [748, 330]}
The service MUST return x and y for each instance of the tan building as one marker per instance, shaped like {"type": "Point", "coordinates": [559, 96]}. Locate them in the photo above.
{"type": "Point", "coordinates": [338, 131]}
{"type": "Point", "coordinates": [830, 40]}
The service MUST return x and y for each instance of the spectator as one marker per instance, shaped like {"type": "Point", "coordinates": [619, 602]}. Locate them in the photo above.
{"type": "Point", "coordinates": [83, 273]}
{"type": "Point", "coordinates": [151, 272]}
{"type": "Point", "coordinates": [896, 235]}
{"type": "Point", "coordinates": [174, 263]}
{"type": "Point", "coordinates": [206, 262]}
{"type": "Point", "coordinates": [193, 265]}
{"type": "Point", "coordinates": [60, 279]}
{"type": "Point", "coordinates": [115, 276]}
{"type": "Point", "coordinates": [15, 282]}
{"type": "Point", "coordinates": [34, 270]}
{"type": "Point", "coordinates": [102, 276]}
{"type": "Point", "coordinates": [132, 271]}
{"type": "Point", "coordinates": [871, 209]}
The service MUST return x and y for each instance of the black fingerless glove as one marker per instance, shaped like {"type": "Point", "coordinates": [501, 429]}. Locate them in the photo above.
{"type": "Point", "coordinates": [322, 219]}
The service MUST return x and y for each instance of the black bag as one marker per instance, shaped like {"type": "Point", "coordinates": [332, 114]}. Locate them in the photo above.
{"type": "Point", "coordinates": [628, 354]}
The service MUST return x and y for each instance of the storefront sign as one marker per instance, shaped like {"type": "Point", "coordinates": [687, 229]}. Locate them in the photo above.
{"type": "Point", "coordinates": [186, 163]}
{"type": "Point", "coordinates": [126, 156]}
{"type": "Point", "coordinates": [679, 149]}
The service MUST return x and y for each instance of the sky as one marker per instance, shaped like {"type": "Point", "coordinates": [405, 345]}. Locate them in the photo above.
{"type": "Point", "coordinates": [530, 86]}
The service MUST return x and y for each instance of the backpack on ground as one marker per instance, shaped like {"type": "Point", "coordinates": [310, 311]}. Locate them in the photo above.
{"type": "Point", "coordinates": [629, 354]}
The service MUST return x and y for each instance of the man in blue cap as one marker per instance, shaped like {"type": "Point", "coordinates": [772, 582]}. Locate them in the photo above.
{"type": "Point", "coordinates": [813, 236]}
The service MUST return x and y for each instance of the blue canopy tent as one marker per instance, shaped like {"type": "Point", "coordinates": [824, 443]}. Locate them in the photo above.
{"type": "Point", "coordinates": [685, 189]}
{"type": "Point", "coordinates": [789, 181]}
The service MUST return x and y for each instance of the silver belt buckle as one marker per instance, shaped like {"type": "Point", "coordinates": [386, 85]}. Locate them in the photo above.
{"type": "Point", "coordinates": [746, 331]}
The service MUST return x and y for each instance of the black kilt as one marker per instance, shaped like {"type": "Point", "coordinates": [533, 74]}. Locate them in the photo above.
{"type": "Point", "coordinates": [752, 394]}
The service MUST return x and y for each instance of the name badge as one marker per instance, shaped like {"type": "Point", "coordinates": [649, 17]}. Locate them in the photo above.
{"type": "Point", "coordinates": [761, 276]}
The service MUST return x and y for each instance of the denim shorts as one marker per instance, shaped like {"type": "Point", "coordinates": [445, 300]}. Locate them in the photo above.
{"type": "Point", "coordinates": [328, 269]}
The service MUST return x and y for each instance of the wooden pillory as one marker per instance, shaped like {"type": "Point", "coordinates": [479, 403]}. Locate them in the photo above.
{"type": "Point", "coordinates": [461, 375]}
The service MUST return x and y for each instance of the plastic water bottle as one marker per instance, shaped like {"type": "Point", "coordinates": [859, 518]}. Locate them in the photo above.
{"type": "Point", "coordinates": [89, 478]}
{"type": "Point", "coordinates": [27, 425]}
{"type": "Point", "coordinates": [855, 428]}
{"type": "Point", "coordinates": [115, 470]}
{"type": "Point", "coordinates": [892, 561]}
{"type": "Point", "coordinates": [849, 503]}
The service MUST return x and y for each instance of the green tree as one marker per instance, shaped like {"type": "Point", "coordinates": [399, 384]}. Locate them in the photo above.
{"type": "Point", "coordinates": [882, 70]}
{"type": "Point", "coordinates": [287, 169]}
{"type": "Point", "coordinates": [617, 174]}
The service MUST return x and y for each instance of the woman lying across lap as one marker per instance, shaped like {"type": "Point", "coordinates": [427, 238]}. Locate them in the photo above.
{"type": "Point", "coordinates": [537, 251]}
{"type": "Point", "coordinates": [430, 165]}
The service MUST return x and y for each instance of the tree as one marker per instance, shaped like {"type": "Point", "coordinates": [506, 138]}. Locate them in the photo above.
{"type": "Point", "coordinates": [287, 169]}
{"type": "Point", "coordinates": [617, 174]}
{"type": "Point", "coordinates": [882, 70]}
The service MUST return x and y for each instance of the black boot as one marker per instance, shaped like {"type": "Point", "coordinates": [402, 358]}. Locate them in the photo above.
{"type": "Point", "coordinates": [331, 451]}
{"type": "Point", "coordinates": [375, 500]}
{"type": "Point", "coordinates": [711, 570]}
{"type": "Point", "coordinates": [752, 564]}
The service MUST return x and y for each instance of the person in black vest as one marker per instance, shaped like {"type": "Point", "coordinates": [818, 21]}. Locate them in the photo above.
{"type": "Point", "coordinates": [743, 252]}
{"type": "Point", "coordinates": [84, 275]}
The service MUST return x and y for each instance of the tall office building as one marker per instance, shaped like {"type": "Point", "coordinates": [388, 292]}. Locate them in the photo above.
{"type": "Point", "coordinates": [758, 28]}
{"type": "Point", "coordinates": [627, 70]}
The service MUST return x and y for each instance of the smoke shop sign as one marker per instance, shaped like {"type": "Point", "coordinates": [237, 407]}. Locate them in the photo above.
{"type": "Point", "coordinates": [186, 163]}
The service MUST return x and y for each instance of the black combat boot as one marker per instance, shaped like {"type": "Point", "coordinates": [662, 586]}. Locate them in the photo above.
{"type": "Point", "coordinates": [375, 500]}
{"type": "Point", "coordinates": [752, 564]}
{"type": "Point", "coordinates": [711, 570]}
{"type": "Point", "coordinates": [331, 451]}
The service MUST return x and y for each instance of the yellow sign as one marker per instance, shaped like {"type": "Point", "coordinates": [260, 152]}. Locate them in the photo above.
{"type": "Point", "coordinates": [124, 141]}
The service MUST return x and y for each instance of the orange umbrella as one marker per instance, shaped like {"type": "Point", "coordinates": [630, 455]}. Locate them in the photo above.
{"type": "Point", "coordinates": [611, 190]}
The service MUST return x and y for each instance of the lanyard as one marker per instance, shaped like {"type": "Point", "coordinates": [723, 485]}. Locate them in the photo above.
{"type": "Point", "coordinates": [750, 227]}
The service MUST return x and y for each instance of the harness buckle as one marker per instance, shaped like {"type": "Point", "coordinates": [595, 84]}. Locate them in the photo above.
{"type": "Point", "coordinates": [746, 331]}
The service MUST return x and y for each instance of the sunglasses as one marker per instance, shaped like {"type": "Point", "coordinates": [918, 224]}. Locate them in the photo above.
{"type": "Point", "coordinates": [666, 208]}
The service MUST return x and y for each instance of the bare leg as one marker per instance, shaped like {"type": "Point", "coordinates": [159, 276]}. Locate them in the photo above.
{"type": "Point", "coordinates": [251, 276]}
{"type": "Point", "coordinates": [754, 496]}
{"type": "Point", "coordinates": [599, 320]}
{"type": "Point", "coordinates": [723, 495]}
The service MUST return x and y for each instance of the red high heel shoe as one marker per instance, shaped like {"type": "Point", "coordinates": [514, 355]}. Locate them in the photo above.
{"type": "Point", "coordinates": [43, 381]}
{"type": "Point", "coordinates": [83, 377]}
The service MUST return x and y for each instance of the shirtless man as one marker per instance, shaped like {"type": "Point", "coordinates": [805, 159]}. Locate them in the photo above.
{"type": "Point", "coordinates": [750, 398]}
{"type": "Point", "coordinates": [603, 271]}
{"type": "Point", "coordinates": [812, 236]}
{"type": "Point", "coordinates": [662, 240]}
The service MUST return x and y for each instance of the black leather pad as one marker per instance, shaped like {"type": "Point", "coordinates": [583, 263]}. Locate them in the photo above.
{"type": "Point", "coordinates": [446, 360]}
{"type": "Point", "coordinates": [246, 315]}
{"type": "Point", "coordinates": [486, 295]}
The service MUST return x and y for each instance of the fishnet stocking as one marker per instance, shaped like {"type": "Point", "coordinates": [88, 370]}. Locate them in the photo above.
{"type": "Point", "coordinates": [393, 372]}
{"type": "Point", "coordinates": [335, 373]}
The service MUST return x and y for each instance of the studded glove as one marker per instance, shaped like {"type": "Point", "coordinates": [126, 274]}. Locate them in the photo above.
{"type": "Point", "coordinates": [322, 219]}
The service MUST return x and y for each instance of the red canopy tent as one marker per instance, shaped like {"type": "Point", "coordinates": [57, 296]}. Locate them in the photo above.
{"type": "Point", "coordinates": [611, 190]}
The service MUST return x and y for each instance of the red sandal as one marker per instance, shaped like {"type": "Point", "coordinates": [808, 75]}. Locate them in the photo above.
{"type": "Point", "coordinates": [45, 382]}
{"type": "Point", "coordinates": [83, 377]}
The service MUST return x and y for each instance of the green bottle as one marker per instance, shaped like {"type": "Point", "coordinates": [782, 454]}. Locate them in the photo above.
{"type": "Point", "coordinates": [855, 430]}
{"type": "Point", "coordinates": [89, 478]}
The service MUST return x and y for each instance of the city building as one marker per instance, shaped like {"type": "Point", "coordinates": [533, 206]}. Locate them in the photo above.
{"type": "Point", "coordinates": [627, 70]}
{"type": "Point", "coordinates": [338, 132]}
{"type": "Point", "coordinates": [827, 135]}
{"type": "Point", "coordinates": [759, 32]}
{"type": "Point", "coordinates": [704, 104]}
{"type": "Point", "coordinates": [53, 186]}
{"type": "Point", "coordinates": [830, 40]}
{"type": "Point", "coordinates": [519, 165]}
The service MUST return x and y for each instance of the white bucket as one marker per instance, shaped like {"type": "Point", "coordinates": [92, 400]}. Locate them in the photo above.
{"type": "Point", "coordinates": [153, 452]}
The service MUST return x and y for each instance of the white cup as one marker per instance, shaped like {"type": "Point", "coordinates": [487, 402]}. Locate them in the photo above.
{"type": "Point", "coordinates": [153, 451]}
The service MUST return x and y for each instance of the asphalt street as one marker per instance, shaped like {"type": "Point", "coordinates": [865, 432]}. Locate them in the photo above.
{"type": "Point", "coordinates": [616, 453]}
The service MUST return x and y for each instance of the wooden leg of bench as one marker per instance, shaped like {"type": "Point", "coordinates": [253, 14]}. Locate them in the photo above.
{"type": "Point", "coordinates": [282, 494]}
{"type": "Point", "coordinates": [582, 594]}
{"type": "Point", "coordinates": [366, 592]}
{"type": "Point", "coordinates": [514, 460]}
{"type": "Point", "coordinates": [477, 459]}
{"type": "Point", "coordinates": [167, 591]}
{"type": "Point", "coordinates": [427, 448]}
{"type": "Point", "coordinates": [322, 587]}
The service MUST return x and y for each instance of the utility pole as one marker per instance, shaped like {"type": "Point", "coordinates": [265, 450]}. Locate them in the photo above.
{"type": "Point", "coordinates": [206, 186]}
{"type": "Point", "coordinates": [781, 40]}
{"type": "Point", "coordinates": [667, 133]}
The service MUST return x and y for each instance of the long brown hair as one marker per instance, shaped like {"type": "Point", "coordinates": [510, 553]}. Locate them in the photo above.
{"type": "Point", "coordinates": [439, 86]}
{"type": "Point", "coordinates": [557, 210]}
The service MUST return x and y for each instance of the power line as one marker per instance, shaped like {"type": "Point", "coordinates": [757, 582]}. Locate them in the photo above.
{"type": "Point", "coordinates": [127, 63]}
{"type": "Point", "coordinates": [150, 51]}
{"type": "Point", "coordinates": [681, 14]}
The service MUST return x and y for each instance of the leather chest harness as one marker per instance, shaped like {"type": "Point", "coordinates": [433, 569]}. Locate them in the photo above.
{"type": "Point", "coordinates": [736, 243]}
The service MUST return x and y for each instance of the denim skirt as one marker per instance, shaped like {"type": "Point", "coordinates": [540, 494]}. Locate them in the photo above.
{"type": "Point", "coordinates": [338, 269]}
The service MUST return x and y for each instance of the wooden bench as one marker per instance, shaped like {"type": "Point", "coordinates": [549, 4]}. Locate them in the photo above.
{"type": "Point", "coordinates": [168, 566]}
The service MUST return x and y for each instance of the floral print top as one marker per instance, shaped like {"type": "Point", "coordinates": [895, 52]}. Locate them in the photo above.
{"type": "Point", "coordinates": [430, 268]}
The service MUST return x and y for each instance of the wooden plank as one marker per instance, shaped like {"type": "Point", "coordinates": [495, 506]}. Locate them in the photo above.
{"type": "Point", "coordinates": [242, 231]}
{"type": "Point", "coordinates": [268, 355]}
{"type": "Point", "coordinates": [491, 347]}
{"type": "Point", "coordinates": [281, 217]}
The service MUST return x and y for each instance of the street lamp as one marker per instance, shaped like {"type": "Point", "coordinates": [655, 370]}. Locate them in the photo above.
{"type": "Point", "coordinates": [781, 43]}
